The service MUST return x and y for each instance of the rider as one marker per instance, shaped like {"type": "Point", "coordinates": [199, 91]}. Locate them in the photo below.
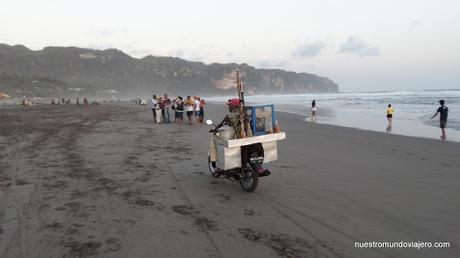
{"type": "Point", "coordinates": [233, 116]}
{"type": "Point", "coordinates": [231, 119]}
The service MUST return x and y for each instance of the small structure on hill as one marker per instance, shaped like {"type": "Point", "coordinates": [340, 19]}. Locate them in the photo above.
{"type": "Point", "coordinates": [3, 95]}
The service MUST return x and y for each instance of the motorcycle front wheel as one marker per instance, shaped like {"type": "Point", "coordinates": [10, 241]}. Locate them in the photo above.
{"type": "Point", "coordinates": [213, 168]}
{"type": "Point", "coordinates": [249, 179]}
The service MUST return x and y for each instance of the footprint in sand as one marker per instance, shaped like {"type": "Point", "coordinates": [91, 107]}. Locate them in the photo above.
{"type": "Point", "coordinates": [112, 244]}
{"type": "Point", "coordinates": [249, 212]}
{"type": "Point", "coordinates": [223, 197]}
{"type": "Point", "coordinates": [83, 249]}
{"type": "Point", "coordinates": [22, 182]}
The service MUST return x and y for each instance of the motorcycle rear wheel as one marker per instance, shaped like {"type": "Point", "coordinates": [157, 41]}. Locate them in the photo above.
{"type": "Point", "coordinates": [249, 179]}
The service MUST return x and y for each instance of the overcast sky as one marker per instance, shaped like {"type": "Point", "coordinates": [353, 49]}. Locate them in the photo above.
{"type": "Point", "coordinates": [363, 45]}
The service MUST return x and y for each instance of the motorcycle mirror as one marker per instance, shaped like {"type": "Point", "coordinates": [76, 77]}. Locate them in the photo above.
{"type": "Point", "coordinates": [209, 122]}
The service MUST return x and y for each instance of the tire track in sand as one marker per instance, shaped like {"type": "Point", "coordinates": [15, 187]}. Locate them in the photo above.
{"type": "Point", "coordinates": [279, 207]}
{"type": "Point", "coordinates": [184, 195]}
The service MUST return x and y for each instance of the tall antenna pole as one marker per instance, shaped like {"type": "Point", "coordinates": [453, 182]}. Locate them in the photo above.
{"type": "Point", "coordinates": [239, 86]}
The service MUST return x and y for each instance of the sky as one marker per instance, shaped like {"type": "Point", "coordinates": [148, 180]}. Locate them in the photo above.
{"type": "Point", "coordinates": [362, 45]}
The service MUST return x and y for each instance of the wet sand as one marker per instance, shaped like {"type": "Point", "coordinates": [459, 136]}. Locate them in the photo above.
{"type": "Point", "coordinates": [104, 181]}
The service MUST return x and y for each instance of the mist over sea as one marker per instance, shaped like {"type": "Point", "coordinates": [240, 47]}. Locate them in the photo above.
{"type": "Point", "coordinates": [367, 110]}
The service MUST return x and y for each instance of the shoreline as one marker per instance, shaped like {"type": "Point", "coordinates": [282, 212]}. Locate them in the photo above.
{"type": "Point", "coordinates": [370, 130]}
{"type": "Point", "coordinates": [295, 113]}
{"type": "Point", "coordinates": [330, 111]}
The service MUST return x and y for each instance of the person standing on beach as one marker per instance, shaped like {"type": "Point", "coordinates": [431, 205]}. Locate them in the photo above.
{"type": "Point", "coordinates": [179, 108]}
{"type": "Point", "coordinates": [201, 115]}
{"type": "Point", "coordinates": [197, 104]}
{"type": "Point", "coordinates": [443, 111]}
{"type": "Point", "coordinates": [174, 107]}
{"type": "Point", "coordinates": [162, 110]}
{"type": "Point", "coordinates": [165, 111]}
{"type": "Point", "coordinates": [153, 105]}
{"type": "Point", "coordinates": [389, 115]}
{"type": "Point", "coordinates": [189, 107]}
{"type": "Point", "coordinates": [158, 110]}
{"type": "Point", "coordinates": [314, 110]}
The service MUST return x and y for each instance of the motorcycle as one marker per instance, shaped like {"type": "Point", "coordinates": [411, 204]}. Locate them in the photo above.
{"type": "Point", "coordinates": [240, 160]}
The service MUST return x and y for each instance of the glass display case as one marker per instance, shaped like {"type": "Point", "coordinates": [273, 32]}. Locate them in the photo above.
{"type": "Point", "coordinates": [261, 118]}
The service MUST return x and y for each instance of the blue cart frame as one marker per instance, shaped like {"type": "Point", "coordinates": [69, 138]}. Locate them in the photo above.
{"type": "Point", "coordinates": [254, 118]}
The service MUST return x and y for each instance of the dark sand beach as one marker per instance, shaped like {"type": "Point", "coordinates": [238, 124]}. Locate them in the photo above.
{"type": "Point", "coordinates": [104, 181]}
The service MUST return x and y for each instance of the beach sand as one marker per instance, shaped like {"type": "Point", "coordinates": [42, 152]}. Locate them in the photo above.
{"type": "Point", "coordinates": [104, 181]}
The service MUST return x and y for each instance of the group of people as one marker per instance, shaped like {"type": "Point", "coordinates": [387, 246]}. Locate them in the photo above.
{"type": "Point", "coordinates": [192, 107]}
{"type": "Point", "coordinates": [442, 111]}
{"type": "Point", "coordinates": [60, 101]}
{"type": "Point", "coordinates": [27, 102]}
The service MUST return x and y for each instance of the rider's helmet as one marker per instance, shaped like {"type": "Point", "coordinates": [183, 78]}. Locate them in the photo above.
{"type": "Point", "coordinates": [233, 103]}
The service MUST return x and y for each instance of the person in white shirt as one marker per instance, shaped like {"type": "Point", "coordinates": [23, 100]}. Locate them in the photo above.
{"type": "Point", "coordinates": [197, 103]}
{"type": "Point", "coordinates": [153, 104]}
{"type": "Point", "coordinates": [158, 115]}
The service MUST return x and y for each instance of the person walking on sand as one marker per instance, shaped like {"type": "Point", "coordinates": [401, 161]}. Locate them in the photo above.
{"type": "Point", "coordinates": [314, 111]}
{"type": "Point", "coordinates": [189, 107]}
{"type": "Point", "coordinates": [443, 111]}
{"type": "Point", "coordinates": [389, 115]}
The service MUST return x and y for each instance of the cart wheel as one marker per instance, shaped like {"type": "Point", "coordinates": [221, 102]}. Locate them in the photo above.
{"type": "Point", "coordinates": [249, 179]}
{"type": "Point", "coordinates": [213, 168]}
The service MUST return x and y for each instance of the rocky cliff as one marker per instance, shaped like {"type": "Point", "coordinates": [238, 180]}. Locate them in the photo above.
{"type": "Point", "coordinates": [76, 71]}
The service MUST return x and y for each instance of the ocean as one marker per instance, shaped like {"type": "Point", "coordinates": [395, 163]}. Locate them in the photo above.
{"type": "Point", "coordinates": [367, 110]}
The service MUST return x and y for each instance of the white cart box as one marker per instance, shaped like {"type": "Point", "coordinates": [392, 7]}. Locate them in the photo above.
{"type": "Point", "coordinates": [230, 150]}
